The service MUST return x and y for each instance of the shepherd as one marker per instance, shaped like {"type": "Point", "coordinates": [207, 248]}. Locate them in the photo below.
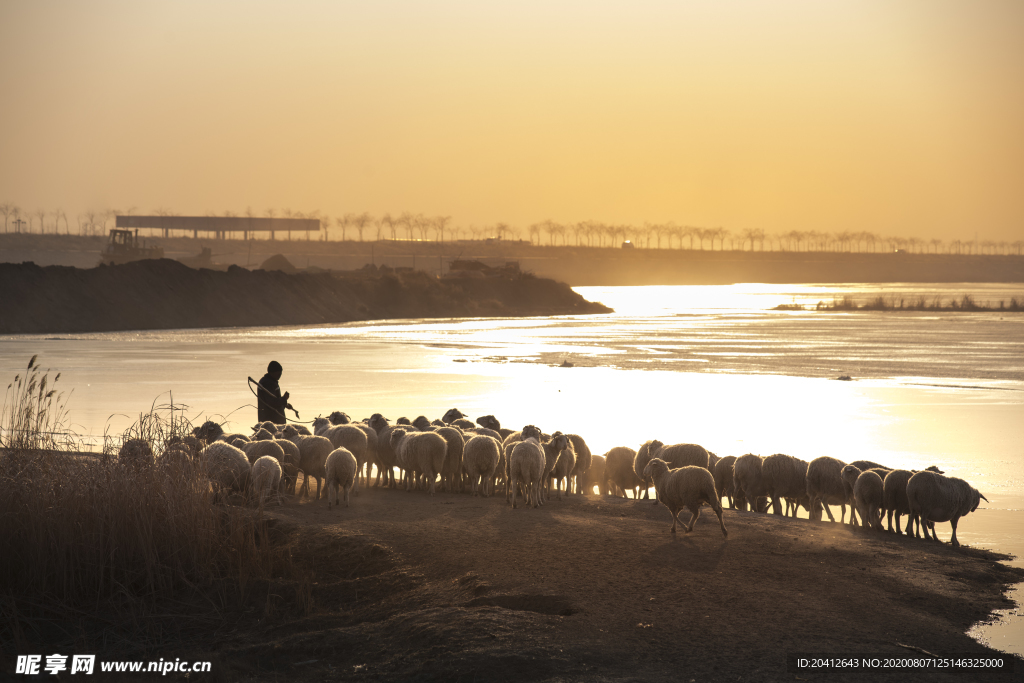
{"type": "Point", "coordinates": [270, 404]}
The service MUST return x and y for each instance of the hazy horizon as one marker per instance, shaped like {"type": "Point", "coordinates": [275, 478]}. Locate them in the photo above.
{"type": "Point", "coordinates": [900, 119]}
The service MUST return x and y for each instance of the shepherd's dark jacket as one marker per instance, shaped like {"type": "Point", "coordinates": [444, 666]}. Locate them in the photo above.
{"type": "Point", "coordinates": [269, 404]}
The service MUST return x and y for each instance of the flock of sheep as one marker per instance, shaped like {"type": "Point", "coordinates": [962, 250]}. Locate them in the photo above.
{"type": "Point", "coordinates": [463, 456]}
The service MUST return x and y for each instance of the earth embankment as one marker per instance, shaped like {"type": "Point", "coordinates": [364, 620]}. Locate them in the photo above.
{"type": "Point", "coordinates": [164, 294]}
{"type": "Point", "coordinates": [575, 265]}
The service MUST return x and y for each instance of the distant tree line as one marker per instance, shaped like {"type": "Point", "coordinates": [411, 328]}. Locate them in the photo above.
{"type": "Point", "coordinates": [590, 233]}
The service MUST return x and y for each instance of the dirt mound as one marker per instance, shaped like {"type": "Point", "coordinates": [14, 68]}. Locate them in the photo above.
{"type": "Point", "coordinates": [165, 294]}
{"type": "Point", "coordinates": [278, 262]}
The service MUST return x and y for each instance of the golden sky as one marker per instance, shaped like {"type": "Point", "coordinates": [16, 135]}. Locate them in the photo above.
{"type": "Point", "coordinates": [902, 117]}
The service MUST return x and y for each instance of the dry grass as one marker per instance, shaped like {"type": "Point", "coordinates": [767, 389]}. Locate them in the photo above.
{"type": "Point", "coordinates": [895, 303]}
{"type": "Point", "coordinates": [81, 535]}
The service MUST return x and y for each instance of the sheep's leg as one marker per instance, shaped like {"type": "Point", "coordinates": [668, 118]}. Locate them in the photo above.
{"type": "Point", "coordinates": [953, 522]}
{"type": "Point", "coordinates": [695, 512]}
{"type": "Point", "coordinates": [910, 524]}
{"type": "Point", "coordinates": [513, 490]}
{"type": "Point", "coordinates": [675, 520]}
{"type": "Point", "coordinates": [721, 521]}
{"type": "Point", "coordinates": [776, 506]}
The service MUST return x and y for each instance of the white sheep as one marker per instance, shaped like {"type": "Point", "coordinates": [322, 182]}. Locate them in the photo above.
{"type": "Point", "coordinates": [136, 454]}
{"type": "Point", "coordinates": [825, 487]}
{"type": "Point", "coordinates": [226, 466]}
{"type": "Point", "coordinates": [748, 478]}
{"type": "Point", "coordinates": [723, 480]}
{"type": "Point", "coordinates": [526, 468]}
{"type": "Point", "coordinates": [894, 498]}
{"type": "Point", "coordinates": [254, 450]}
{"type": "Point", "coordinates": [785, 477]}
{"type": "Point", "coordinates": [266, 477]}
{"type": "Point", "coordinates": [340, 476]}
{"type": "Point", "coordinates": [210, 431]}
{"type": "Point", "coordinates": [385, 453]}
{"type": "Point", "coordinates": [684, 487]}
{"type": "Point", "coordinates": [347, 436]}
{"type": "Point", "coordinates": [619, 470]}
{"type": "Point", "coordinates": [565, 461]}
{"type": "Point", "coordinates": [936, 498]}
{"type": "Point", "coordinates": [479, 459]}
{"type": "Point", "coordinates": [676, 455]}
{"type": "Point", "coordinates": [313, 452]}
{"type": "Point", "coordinates": [451, 470]}
{"type": "Point", "coordinates": [370, 458]}
{"type": "Point", "coordinates": [552, 448]}
{"type": "Point", "coordinates": [867, 494]}
{"type": "Point", "coordinates": [419, 452]}
{"type": "Point", "coordinates": [596, 476]}
{"type": "Point", "coordinates": [583, 462]}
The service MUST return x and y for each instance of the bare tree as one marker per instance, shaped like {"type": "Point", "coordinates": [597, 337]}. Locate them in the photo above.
{"type": "Point", "coordinates": [440, 223]}
{"type": "Point", "coordinates": [41, 215]}
{"type": "Point", "coordinates": [343, 222]}
{"type": "Point", "coordinates": [361, 221]}
{"type": "Point", "coordinates": [7, 209]}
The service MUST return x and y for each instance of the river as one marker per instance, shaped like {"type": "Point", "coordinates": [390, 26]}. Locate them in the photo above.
{"type": "Point", "coordinates": [714, 365]}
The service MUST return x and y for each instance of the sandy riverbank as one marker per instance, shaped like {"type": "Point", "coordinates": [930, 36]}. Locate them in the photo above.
{"type": "Point", "coordinates": [409, 587]}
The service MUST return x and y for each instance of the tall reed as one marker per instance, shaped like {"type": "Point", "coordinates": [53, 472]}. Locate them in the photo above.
{"type": "Point", "coordinates": [78, 531]}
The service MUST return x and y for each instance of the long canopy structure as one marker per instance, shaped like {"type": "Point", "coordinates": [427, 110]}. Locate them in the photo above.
{"type": "Point", "coordinates": [220, 225]}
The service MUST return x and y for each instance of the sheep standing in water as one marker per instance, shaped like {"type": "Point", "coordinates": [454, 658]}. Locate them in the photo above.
{"type": "Point", "coordinates": [685, 487]}
{"type": "Point", "coordinates": [937, 498]}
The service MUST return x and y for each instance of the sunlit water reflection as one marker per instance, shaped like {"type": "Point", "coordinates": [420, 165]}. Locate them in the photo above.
{"type": "Point", "coordinates": [712, 365]}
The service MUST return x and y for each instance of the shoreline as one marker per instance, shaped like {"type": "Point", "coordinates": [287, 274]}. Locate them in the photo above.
{"type": "Point", "coordinates": [164, 294]}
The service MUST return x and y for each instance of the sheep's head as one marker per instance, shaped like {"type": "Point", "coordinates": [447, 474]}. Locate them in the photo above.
{"type": "Point", "coordinates": [530, 431]}
{"type": "Point", "coordinates": [339, 418]}
{"type": "Point", "coordinates": [850, 474]}
{"type": "Point", "coordinates": [403, 421]}
{"type": "Point", "coordinates": [210, 431]}
{"type": "Point", "coordinates": [654, 467]}
{"type": "Point", "coordinates": [397, 435]}
{"type": "Point", "coordinates": [378, 422]}
{"type": "Point", "coordinates": [976, 499]}
{"type": "Point", "coordinates": [320, 422]}
{"type": "Point", "coordinates": [653, 447]}
{"type": "Point", "coordinates": [289, 432]}
{"type": "Point", "coordinates": [452, 415]}
{"type": "Point", "coordinates": [559, 441]}
{"type": "Point", "coordinates": [936, 470]}
{"type": "Point", "coordinates": [262, 435]}
{"type": "Point", "coordinates": [489, 422]}
{"type": "Point", "coordinates": [421, 423]}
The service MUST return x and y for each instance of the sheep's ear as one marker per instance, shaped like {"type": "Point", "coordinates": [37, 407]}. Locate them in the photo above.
{"type": "Point", "coordinates": [983, 497]}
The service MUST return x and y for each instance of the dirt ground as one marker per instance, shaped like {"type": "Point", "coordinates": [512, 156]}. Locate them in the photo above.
{"type": "Point", "coordinates": [409, 587]}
